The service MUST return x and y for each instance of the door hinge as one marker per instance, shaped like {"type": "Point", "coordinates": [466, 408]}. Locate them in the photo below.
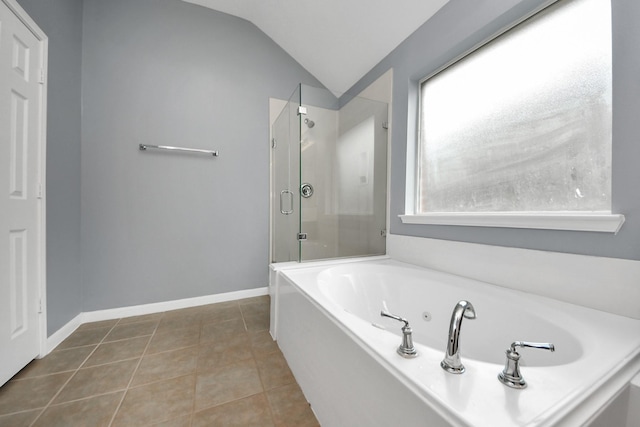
{"type": "Point", "coordinates": [40, 306]}
{"type": "Point", "coordinates": [302, 236]}
{"type": "Point", "coordinates": [274, 143]}
{"type": "Point", "coordinates": [39, 196]}
{"type": "Point", "coordinates": [302, 110]}
{"type": "Point", "coordinates": [41, 76]}
{"type": "Point", "coordinates": [385, 125]}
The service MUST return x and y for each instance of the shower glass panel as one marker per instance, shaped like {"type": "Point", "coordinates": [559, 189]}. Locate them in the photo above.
{"type": "Point", "coordinates": [285, 168]}
{"type": "Point", "coordinates": [343, 159]}
{"type": "Point", "coordinates": [329, 177]}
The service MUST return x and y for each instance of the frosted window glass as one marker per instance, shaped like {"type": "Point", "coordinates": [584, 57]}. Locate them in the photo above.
{"type": "Point", "coordinates": [524, 123]}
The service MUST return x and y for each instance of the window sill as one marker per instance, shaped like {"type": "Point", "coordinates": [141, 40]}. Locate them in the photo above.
{"type": "Point", "coordinates": [596, 221]}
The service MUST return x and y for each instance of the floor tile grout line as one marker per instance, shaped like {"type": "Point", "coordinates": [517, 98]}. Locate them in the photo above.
{"type": "Point", "coordinates": [72, 376]}
{"type": "Point", "coordinates": [195, 382]}
{"type": "Point", "coordinates": [264, 388]}
{"type": "Point", "coordinates": [21, 412]}
{"type": "Point", "coordinates": [144, 385]}
{"type": "Point", "coordinates": [124, 339]}
{"type": "Point", "coordinates": [243, 319]}
{"type": "Point", "coordinates": [193, 411]}
{"type": "Point", "coordinates": [135, 371]}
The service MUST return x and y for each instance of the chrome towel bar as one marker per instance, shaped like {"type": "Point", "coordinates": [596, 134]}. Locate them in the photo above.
{"type": "Point", "coordinates": [143, 147]}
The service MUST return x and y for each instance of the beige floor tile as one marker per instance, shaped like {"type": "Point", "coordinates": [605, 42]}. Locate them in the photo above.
{"type": "Point", "coordinates": [263, 299]}
{"type": "Point", "coordinates": [290, 408]}
{"type": "Point", "coordinates": [207, 365]}
{"type": "Point", "coordinates": [257, 307]}
{"type": "Point", "coordinates": [218, 306]}
{"type": "Point", "coordinates": [95, 412]}
{"type": "Point", "coordinates": [256, 316]}
{"type": "Point", "coordinates": [131, 330]}
{"type": "Point", "coordinates": [173, 339]}
{"type": "Point", "coordinates": [96, 380]}
{"type": "Point", "coordinates": [252, 411]}
{"type": "Point", "coordinates": [169, 364]}
{"type": "Point", "coordinates": [184, 312]}
{"type": "Point", "coordinates": [262, 343]}
{"type": "Point", "coordinates": [141, 318]}
{"type": "Point", "coordinates": [221, 330]}
{"type": "Point", "coordinates": [116, 351]}
{"type": "Point", "coordinates": [257, 322]}
{"type": "Point", "coordinates": [30, 393]}
{"type": "Point", "coordinates": [101, 324]}
{"type": "Point", "coordinates": [22, 419]}
{"type": "Point", "coordinates": [176, 422]}
{"type": "Point", "coordinates": [156, 402]}
{"type": "Point", "coordinates": [274, 370]}
{"type": "Point", "coordinates": [219, 353]}
{"type": "Point", "coordinates": [82, 337]}
{"type": "Point", "coordinates": [221, 314]}
{"type": "Point", "coordinates": [56, 361]}
{"type": "Point", "coordinates": [235, 381]}
{"type": "Point", "coordinates": [179, 321]}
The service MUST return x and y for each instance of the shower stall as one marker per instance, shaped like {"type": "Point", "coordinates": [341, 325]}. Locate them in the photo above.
{"type": "Point", "coordinates": [328, 177]}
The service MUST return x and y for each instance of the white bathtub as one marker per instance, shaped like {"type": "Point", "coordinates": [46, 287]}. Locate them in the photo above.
{"type": "Point", "coordinates": [326, 318]}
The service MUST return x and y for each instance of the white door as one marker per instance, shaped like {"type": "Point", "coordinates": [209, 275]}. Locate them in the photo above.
{"type": "Point", "coordinates": [21, 204]}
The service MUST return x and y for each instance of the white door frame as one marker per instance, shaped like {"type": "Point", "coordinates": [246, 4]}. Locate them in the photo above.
{"type": "Point", "coordinates": [42, 139]}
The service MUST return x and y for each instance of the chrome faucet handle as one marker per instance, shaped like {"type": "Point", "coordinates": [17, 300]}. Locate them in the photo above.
{"type": "Point", "coordinates": [510, 375]}
{"type": "Point", "coordinates": [394, 317]}
{"type": "Point", "coordinates": [406, 349]}
{"type": "Point", "coordinates": [539, 345]}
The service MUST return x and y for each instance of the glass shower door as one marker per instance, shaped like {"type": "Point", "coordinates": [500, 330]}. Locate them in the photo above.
{"type": "Point", "coordinates": [285, 175]}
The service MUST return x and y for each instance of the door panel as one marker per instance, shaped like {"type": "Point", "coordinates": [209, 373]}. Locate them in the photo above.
{"type": "Point", "coordinates": [20, 206]}
{"type": "Point", "coordinates": [285, 172]}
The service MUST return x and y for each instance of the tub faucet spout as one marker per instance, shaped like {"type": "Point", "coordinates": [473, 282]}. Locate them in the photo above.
{"type": "Point", "coordinates": [451, 362]}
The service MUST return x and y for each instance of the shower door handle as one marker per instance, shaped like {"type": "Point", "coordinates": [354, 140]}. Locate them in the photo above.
{"type": "Point", "coordinates": [282, 210]}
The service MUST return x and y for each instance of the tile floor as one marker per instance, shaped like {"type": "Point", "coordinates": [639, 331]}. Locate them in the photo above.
{"type": "Point", "coordinates": [214, 365]}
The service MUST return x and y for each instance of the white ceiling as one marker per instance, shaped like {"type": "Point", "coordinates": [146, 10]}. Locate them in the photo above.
{"type": "Point", "coordinates": [338, 41]}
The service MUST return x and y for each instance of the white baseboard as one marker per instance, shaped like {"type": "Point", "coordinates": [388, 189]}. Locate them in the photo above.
{"type": "Point", "coordinates": [62, 334]}
{"type": "Point", "coordinates": [606, 284]}
{"type": "Point", "coordinates": [137, 310]}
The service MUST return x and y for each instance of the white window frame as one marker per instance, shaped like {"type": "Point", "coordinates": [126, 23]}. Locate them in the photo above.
{"type": "Point", "coordinates": [601, 221]}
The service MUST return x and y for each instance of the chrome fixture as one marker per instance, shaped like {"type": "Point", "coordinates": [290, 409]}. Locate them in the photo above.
{"type": "Point", "coordinates": [451, 362]}
{"type": "Point", "coordinates": [306, 190]}
{"type": "Point", "coordinates": [510, 375]}
{"type": "Point", "coordinates": [144, 147]}
{"type": "Point", "coordinates": [309, 123]}
{"type": "Point", "coordinates": [406, 349]}
{"type": "Point", "coordinates": [284, 211]}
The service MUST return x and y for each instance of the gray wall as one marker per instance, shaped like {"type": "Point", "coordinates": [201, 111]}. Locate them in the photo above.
{"type": "Point", "coordinates": [125, 227]}
{"type": "Point", "coordinates": [61, 20]}
{"type": "Point", "coordinates": [456, 28]}
{"type": "Point", "coordinates": [158, 226]}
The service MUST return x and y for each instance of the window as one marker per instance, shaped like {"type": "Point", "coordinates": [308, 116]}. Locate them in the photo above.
{"type": "Point", "coordinates": [521, 128]}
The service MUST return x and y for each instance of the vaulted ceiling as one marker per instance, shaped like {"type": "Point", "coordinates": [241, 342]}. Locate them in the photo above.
{"type": "Point", "coordinates": [338, 41]}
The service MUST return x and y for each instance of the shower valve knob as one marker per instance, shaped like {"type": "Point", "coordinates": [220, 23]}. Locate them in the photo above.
{"type": "Point", "coordinates": [306, 190]}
